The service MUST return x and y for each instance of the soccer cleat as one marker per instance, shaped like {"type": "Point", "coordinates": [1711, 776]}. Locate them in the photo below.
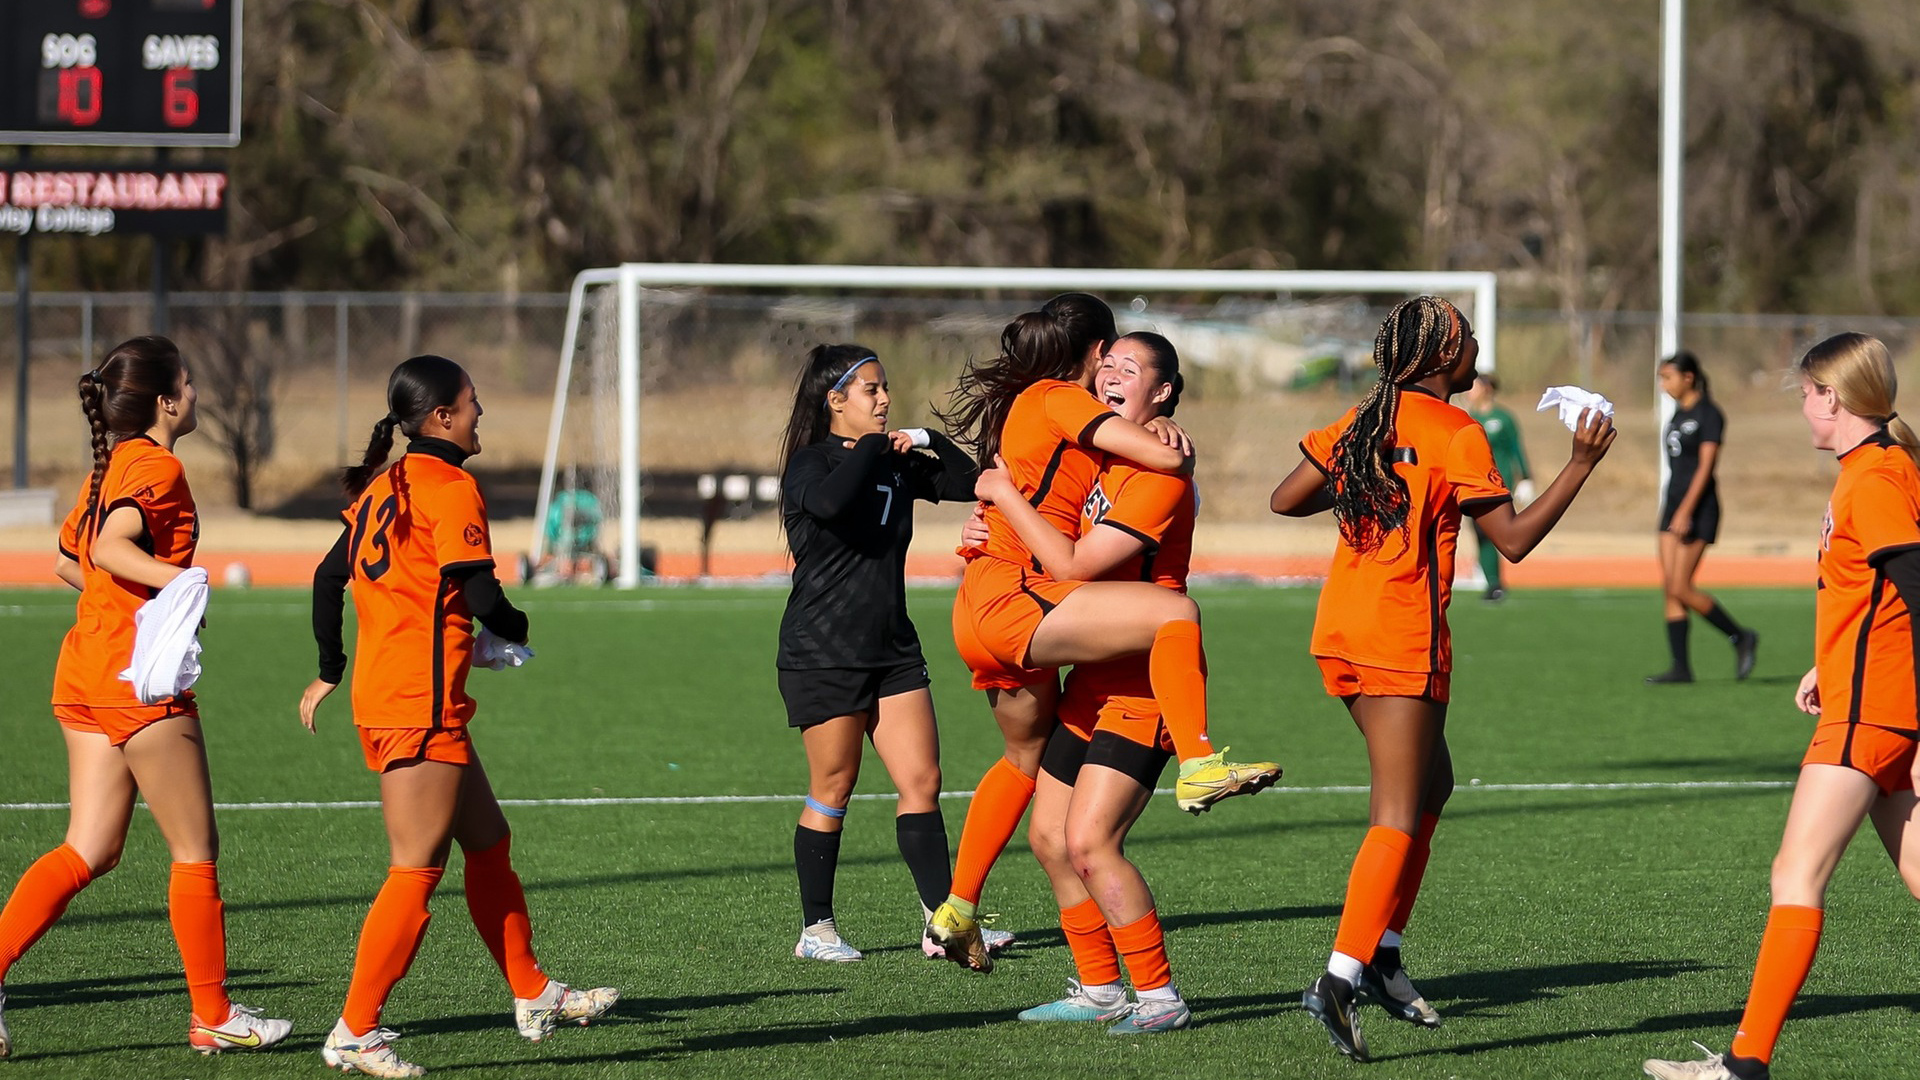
{"type": "Point", "coordinates": [243, 1029]}
{"type": "Point", "coordinates": [1330, 1001]}
{"type": "Point", "coordinates": [371, 1053]}
{"type": "Point", "coordinates": [1079, 1005]}
{"type": "Point", "coordinates": [1388, 986]}
{"type": "Point", "coordinates": [1670, 676]}
{"type": "Point", "coordinates": [1205, 781]}
{"type": "Point", "coordinates": [1150, 1016]}
{"type": "Point", "coordinates": [1712, 1067]}
{"type": "Point", "coordinates": [562, 1004]}
{"type": "Point", "coordinates": [1745, 644]}
{"type": "Point", "coordinates": [1495, 595]}
{"type": "Point", "coordinates": [822, 941]}
{"type": "Point", "coordinates": [995, 940]}
{"type": "Point", "coordinates": [960, 938]}
{"type": "Point", "coordinates": [6, 1041]}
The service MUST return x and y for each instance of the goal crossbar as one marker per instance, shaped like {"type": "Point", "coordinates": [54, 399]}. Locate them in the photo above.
{"type": "Point", "coordinates": [630, 278]}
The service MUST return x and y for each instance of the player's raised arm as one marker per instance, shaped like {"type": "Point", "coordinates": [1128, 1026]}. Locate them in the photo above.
{"type": "Point", "coordinates": [1517, 534]}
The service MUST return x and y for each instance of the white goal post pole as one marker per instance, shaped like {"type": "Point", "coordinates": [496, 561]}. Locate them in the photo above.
{"type": "Point", "coordinates": [630, 278]}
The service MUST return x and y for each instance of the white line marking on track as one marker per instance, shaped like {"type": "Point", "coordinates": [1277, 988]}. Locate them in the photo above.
{"type": "Point", "coordinates": [702, 800]}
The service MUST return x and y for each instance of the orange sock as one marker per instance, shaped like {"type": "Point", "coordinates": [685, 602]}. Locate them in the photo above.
{"type": "Point", "coordinates": [999, 801]}
{"type": "Point", "coordinates": [200, 928]}
{"type": "Point", "coordinates": [39, 900]}
{"type": "Point", "coordinates": [1786, 955]}
{"type": "Point", "coordinates": [499, 910]}
{"type": "Point", "coordinates": [1144, 947]}
{"type": "Point", "coordinates": [388, 941]}
{"type": "Point", "coordinates": [1094, 957]}
{"type": "Point", "coordinates": [1371, 891]}
{"type": "Point", "coordinates": [1177, 668]}
{"type": "Point", "coordinates": [1413, 873]}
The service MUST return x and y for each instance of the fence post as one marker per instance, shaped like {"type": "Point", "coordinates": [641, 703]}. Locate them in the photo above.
{"type": "Point", "coordinates": [340, 370]}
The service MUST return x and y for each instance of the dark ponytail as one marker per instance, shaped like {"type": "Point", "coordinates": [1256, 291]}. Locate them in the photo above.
{"type": "Point", "coordinates": [1051, 343]}
{"type": "Point", "coordinates": [826, 368]}
{"type": "Point", "coordinates": [1420, 337]}
{"type": "Point", "coordinates": [1686, 363]}
{"type": "Point", "coordinates": [415, 389]}
{"type": "Point", "coordinates": [121, 399]}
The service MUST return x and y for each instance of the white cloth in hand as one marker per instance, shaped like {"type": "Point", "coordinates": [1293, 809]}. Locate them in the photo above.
{"type": "Point", "coordinates": [1571, 401]}
{"type": "Point", "coordinates": [166, 639]}
{"type": "Point", "coordinates": [490, 650]}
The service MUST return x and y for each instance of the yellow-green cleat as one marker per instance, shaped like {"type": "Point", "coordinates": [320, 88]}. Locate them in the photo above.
{"type": "Point", "coordinates": [960, 937]}
{"type": "Point", "coordinates": [1206, 780]}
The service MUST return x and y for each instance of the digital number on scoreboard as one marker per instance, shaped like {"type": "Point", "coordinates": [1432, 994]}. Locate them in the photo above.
{"type": "Point", "coordinates": [120, 72]}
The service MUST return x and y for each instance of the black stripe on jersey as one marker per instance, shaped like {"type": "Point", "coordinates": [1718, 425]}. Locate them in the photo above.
{"type": "Point", "coordinates": [1860, 662]}
{"type": "Point", "coordinates": [1404, 455]}
{"type": "Point", "coordinates": [68, 554]}
{"type": "Point", "coordinates": [1484, 500]}
{"type": "Point", "coordinates": [1046, 478]}
{"type": "Point", "coordinates": [1314, 461]}
{"type": "Point", "coordinates": [1433, 597]}
{"type": "Point", "coordinates": [1151, 543]}
{"type": "Point", "coordinates": [454, 568]}
{"type": "Point", "coordinates": [1045, 607]}
{"type": "Point", "coordinates": [448, 586]}
{"type": "Point", "coordinates": [1093, 425]}
{"type": "Point", "coordinates": [145, 540]}
{"type": "Point", "coordinates": [1881, 556]}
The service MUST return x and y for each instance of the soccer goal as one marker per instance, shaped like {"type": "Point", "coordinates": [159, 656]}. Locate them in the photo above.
{"type": "Point", "coordinates": [675, 379]}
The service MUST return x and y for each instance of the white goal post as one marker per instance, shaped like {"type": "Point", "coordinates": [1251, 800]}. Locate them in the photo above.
{"type": "Point", "coordinates": [629, 280]}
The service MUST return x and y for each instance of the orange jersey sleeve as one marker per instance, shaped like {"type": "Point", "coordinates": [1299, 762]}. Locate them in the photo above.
{"type": "Point", "coordinates": [461, 537]}
{"type": "Point", "coordinates": [1046, 445]}
{"type": "Point", "coordinates": [1317, 447]}
{"type": "Point", "coordinates": [143, 475]}
{"type": "Point", "coordinates": [1863, 634]}
{"type": "Point", "coordinates": [1470, 469]}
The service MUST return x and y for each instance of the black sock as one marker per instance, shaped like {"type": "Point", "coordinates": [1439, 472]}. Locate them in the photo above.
{"type": "Point", "coordinates": [1387, 959]}
{"type": "Point", "coordinates": [923, 844]}
{"type": "Point", "coordinates": [1677, 643]}
{"type": "Point", "coordinates": [816, 855]}
{"type": "Point", "coordinates": [1722, 621]}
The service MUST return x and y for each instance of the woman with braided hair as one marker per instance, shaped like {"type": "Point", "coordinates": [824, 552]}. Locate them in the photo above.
{"type": "Point", "coordinates": [1398, 470]}
{"type": "Point", "coordinates": [131, 534]}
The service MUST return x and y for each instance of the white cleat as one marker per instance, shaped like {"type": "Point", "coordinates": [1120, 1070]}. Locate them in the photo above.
{"type": "Point", "coordinates": [994, 940]}
{"type": "Point", "coordinates": [371, 1053]}
{"type": "Point", "coordinates": [1712, 1067]}
{"type": "Point", "coordinates": [560, 1004]}
{"type": "Point", "coordinates": [243, 1029]}
{"type": "Point", "coordinates": [822, 941]}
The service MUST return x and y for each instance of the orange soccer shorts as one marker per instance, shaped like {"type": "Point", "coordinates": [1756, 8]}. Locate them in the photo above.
{"type": "Point", "coordinates": [1344, 678]}
{"type": "Point", "coordinates": [387, 747]}
{"type": "Point", "coordinates": [995, 613]}
{"type": "Point", "coordinates": [1884, 754]}
{"type": "Point", "coordinates": [1085, 708]}
{"type": "Point", "coordinates": [119, 725]}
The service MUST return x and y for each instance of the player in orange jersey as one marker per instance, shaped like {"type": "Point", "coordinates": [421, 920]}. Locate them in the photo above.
{"type": "Point", "coordinates": [1015, 625]}
{"type": "Point", "coordinates": [1102, 762]}
{"type": "Point", "coordinates": [1861, 763]}
{"type": "Point", "coordinates": [418, 552]}
{"type": "Point", "coordinates": [131, 533]}
{"type": "Point", "coordinates": [1398, 470]}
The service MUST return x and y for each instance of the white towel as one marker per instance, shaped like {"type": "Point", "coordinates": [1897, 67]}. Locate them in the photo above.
{"type": "Point", "coordinates": [166, 639]}
{"type": "Point", "coordinates": [490, 650]}
{"type": "Point", "coordinates": [1571, 400]}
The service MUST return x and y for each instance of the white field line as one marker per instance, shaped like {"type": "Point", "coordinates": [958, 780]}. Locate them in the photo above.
{"type": "Point", "coordinates": [699, 800]}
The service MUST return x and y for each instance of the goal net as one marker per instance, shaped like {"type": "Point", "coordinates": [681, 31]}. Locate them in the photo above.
{"type": "Point", "coordinates": [675, 380]}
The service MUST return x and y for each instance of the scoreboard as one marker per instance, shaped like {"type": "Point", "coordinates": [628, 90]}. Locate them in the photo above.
{"type": "Point", "coordinates": [120, 72]}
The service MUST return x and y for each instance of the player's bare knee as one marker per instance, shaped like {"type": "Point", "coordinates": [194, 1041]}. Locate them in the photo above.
{"type": "Point", "coordinates": [834, 789]}
{"type": "Point", "coordinates": [100, 860]}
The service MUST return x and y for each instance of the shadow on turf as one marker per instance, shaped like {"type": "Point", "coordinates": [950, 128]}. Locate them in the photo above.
{"type": "Point", "coordinates": [629, 1010]}
{"type": "Point", "coordinates": [1744, 767]}
{"type": "Point", "coordinates": [22, 996]}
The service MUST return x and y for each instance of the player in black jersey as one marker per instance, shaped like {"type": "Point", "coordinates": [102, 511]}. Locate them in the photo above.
{"type": "Point", "coordinates": [1690, 516]}
{"type": "Point", "coordinates": [850, 661]}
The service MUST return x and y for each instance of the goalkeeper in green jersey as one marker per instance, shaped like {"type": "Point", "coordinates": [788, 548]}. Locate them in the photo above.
{"type": "Point", "coordinates": [1503, 434]}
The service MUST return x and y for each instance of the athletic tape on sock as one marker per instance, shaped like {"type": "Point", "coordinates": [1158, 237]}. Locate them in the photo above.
{"type": "Point", "coordinates": [819, 807]}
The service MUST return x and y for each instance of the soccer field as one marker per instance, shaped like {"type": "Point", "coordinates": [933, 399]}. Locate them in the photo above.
{"type": "Point", "coordinates": [1596, 895]}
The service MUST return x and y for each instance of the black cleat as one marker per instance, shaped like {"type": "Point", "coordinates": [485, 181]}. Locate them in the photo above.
{"type": "Point", "coordinates": [1671, 675]}
{"type": "Point", "coordinates": [1386, 984]}
{"type": "Point", "coordinates": [1330, 1001]}
{"type": "Point", "coordinates": [1745, 644]}
{"type": "Point", "coordinates": [1495, 595]}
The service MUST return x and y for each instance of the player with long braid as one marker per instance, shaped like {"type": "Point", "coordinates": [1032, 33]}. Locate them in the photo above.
{"type": "Point", "coordinates": [132, 532]}
{"type": "Point", "coordinates": [1030, 409]}
{"type": "Point", "coordinates": [1397, 471]}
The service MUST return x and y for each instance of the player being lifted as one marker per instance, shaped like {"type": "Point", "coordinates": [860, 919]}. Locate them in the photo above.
{"type": "Point", "coordinates": [1397, 471]}
{"type": "Point", "coordinates": [1861, 764]}
{"type": "Point", "coordinates": [1102, 762]}
{"type": "Point", "coordinates": [418, 552]}
{"type": "Point", "coordinates": [850, 665]}
{"type": "Point", "coordinates": [133, 530]}
{"type": "Point", "coordinates": [1015, 625]}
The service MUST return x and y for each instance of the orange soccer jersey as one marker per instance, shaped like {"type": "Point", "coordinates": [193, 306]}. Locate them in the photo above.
{"type": "Point", "coordinates": [1863, 636]}
{"type": "Point", "coordinates": [143, 475]}
{"type": "Point", "coordinates": [1387, 608]}
{"type": "Point", "coordinates": [1047, 444]}
{"type": "Point", "coordinates": [1159, 510]}
{"type": "Point", "coordinates": [415, 526]}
